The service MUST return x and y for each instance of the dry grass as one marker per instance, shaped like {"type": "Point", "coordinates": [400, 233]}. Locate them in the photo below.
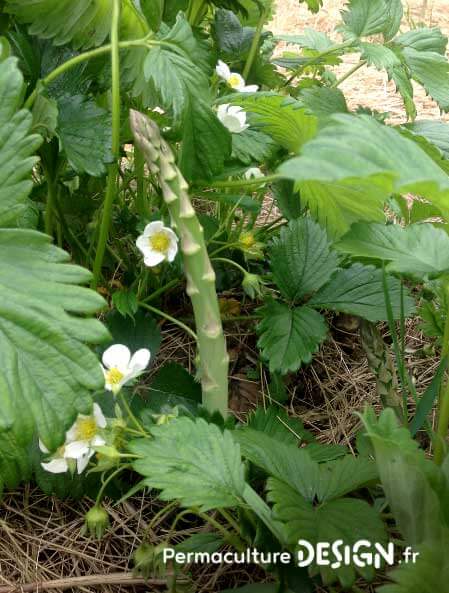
{"type": "Point", "coordinates": [40, 537]}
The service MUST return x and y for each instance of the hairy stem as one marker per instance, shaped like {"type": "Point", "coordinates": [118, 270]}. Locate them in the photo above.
{"type": "Point", "coordinates": [256, 181]}
{"type": "Point", "coordinates": [214, 359]}
{"type": "Point", "coordinates": [180, 324]}
{"type": "Point", "coordinates": [254, 45]}
{"type": "Point", "coordinates": [349, 73]}
{"type": "Point", "coordinates": [111, 186]}
{"type": "Point", "coordinates": [443, 417]}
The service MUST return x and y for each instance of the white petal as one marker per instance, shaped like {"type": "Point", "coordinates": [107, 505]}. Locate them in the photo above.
{"type": "Point", "coordinates": [241, 116]}
{"type": "Point", "coordinates": [116, 356]}
{"type": "Point", "coordinates": [153, 258]}
{"type": "Point", "coordinates": [222, 110]}
{"type": "Point", "coordinates": [70, 435]}
{"type": "Point", "coordinates": [140, 360]}
{"type": "Point", "coordinates": [153, 227]}
{"type": "Point", "coordinates": [250, 88]}
{"type": "Point", "coordinates": [233, 124]}
{"type": "Point", "coordinates": [235, 110]}
{"type": "Point", "coordinates": [143, 244]}
{"type": "Point", "coordinates": [253, 173]}
{"type": "Point", "coordinates": [76, 449]}
{"type": "Point", "coordinates": [222, 70]}
{"type": "Point", "coordinates": [56, 466]}
{"type": "Point", "coordinates": [42, 447]}
{"type": "Point", "coordinates": [83, 462]}
{"type": "Point", "coordinates": [98, 441]}
{"type": "Point", "coordinates": [171, 235]}
{"type": "Point", "coordinates": [99, 416]}
{"type": "Point", "coordinates": [172, 251]}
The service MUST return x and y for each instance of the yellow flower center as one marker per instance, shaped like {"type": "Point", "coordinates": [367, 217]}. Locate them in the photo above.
{"type": "Point", "coordinates": [86, 429]}
{"type": "Point", "coordinates": [160, 242]}
{"type": "Point", "coordinates": [114, 376]}
{"type": "Point", "coordinates": [234, 80]}
{"type": "Point", "coordinates": [247, 240]}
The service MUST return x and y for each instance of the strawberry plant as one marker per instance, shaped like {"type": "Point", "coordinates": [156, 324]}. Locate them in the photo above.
{"type": "Point", "coordinates": [141, 143]}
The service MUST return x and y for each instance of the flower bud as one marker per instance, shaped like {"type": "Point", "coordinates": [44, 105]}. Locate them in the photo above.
{"type": "Point", "coordinates": [96, 522]}
{"type": "Point", "coordinates": [149, 561]}
{"type": "Point", "coordinates": [252, 285]}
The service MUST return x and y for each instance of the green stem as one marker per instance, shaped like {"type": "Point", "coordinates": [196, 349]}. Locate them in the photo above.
{"type": "Point", "coordinates": [231, 263]}
{"type": "Point", "coordinates": [245, 182]}
{"type": "Point", "coordinates": [140, 179]}
{"type": "Point", "coordinates": [111, 187]}
{"type": "Point", "coordinates": [50, 204]}
{"type": "Point", "coordinates": [194, 12]}
{"type": "Point", "coordinates": [349, 73]}
{"type": "Point", "coordinates": [163, 289]}
{"type": "Point", "coordinates": [107, 481]}
{"type": "Point", "coordinates": [130, 413]}
{"type": "Point", "coordinates": [443, 417]}
{"type": "Point", "coordinates": [180, 324]}
{"type": "Point", "coordinates": [254, 45]}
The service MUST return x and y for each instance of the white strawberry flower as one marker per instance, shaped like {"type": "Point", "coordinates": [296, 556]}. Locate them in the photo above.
{"type": "Point", "coordinates": [84, 436]}
{"type": "Point", "coordinates": [119, 367]}
{"type": "Point", "coordinates": [253, 173]}
{"type": "Point", "coordinates": [234, 79]}
{"type": "Point", "coordinates": [81, 438]}
{"type": "Point", "coordinates": [58, 464]}
{"type": "Point", "coordinates": [232, 117]}
{"type": "Point", "coordinates": [157, 243]}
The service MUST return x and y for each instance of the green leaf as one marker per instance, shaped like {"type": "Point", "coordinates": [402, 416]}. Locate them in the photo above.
{"type": "Point", "coordinates": [282, 118]}
{"type": "Point", "coordinates": [423, 39]}
{"type": "Point", "coordinates": [344, 519]}
{"type": "Point", "coordinates": [153, 11]}
{"type": "Point", "coordinates": [289, 337]}
{"type": "Point", "coordinates": [45, 116]}
{"type": "Point", "coordinates": [174, 386]}
{"type": "Point", "coordinates": [427, 399]}
{"type": "Point", "coordinates": [301, 260]}
{"type": "Point", "coordinates": [418, 250]}
{"type": "Point", "coordinates": [275, 422]}
{"type": "Point", "coordinates": [193, 462]}
{"type": "Point", "coordinates": [140, 332]}
{"type": "Point", "coordinates": [357, 150]}
{"type": "Point", "coordinates": [206, 143]}
{"type": "Point", "coordinates": [415, 487]}
{"type": "Point", "coordinates": [435, 131]}
{"type": "Point", "coordinates": [83, 23]}
{"type": "Point", "coordinates": [313, 5]}
{"type": "Point", "coordinates": [310, 39]}
{"type": "Point", "coordinates": [316, 482]}
{"type": "Point", "coordinates": [233, 40]}
{"type": "Point", "coordinates": [201, 542]}
{"type": "Point", "coordinates": [358, 290]}
{"type": "Point", "coordinates": [17, 145]}
{"type": "Point", "coordinates": [428, 574]}
{"type": "Point", "coordinates": [287, 200]}
{"type": "Point", "coordinates": [170, 69]}
{"type": "Point", "coordinates": [252, 146]}
{"type": "Point", "coordinates": [323, 101]}
{"type": "Point", "coordinates": [48, 371]}
{"type": "Point", "coordinates": [431, 70]}
{"type": "Point", "coordinates": [85, 133]}
{"type": "Point", "coordinates": [364, 18]}
{"type": "Point", "coordinates": [379, 56]}
{"type": "Point", "coordinates": [125, 301]}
